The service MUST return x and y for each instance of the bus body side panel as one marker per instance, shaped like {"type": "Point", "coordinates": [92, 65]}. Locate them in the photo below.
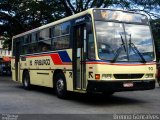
{"type": "Point", "coordinates": [13, 69]}
{"type": "Point", "coordinates": [69, 72]}
{"type": "Point", "coordinates": [41, 67]}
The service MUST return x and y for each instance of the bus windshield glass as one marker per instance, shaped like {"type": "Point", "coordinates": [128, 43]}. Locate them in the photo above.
{"type": "Point", "coordinates": [118, 42]}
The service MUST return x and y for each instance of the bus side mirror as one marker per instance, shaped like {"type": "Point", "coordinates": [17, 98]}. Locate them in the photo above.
{"type": "Point", "coordinates": [89, 27]}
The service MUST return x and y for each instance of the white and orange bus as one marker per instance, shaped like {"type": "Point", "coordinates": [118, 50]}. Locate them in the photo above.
{"type": "Point", "coordinates": [98, 50]}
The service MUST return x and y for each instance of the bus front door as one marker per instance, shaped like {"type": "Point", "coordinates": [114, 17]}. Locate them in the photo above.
{"type": "Point", "coordinates": [79, 57]}
{"type": "Point", "coordinates": [17, 57]}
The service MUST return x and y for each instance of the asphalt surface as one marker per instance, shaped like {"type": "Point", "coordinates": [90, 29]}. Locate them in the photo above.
{"type": "Point", "coordinates": [40, 100]}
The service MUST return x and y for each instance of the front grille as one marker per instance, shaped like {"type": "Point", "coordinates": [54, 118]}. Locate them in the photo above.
{"type": "Point", "coordinates": [128, 76]}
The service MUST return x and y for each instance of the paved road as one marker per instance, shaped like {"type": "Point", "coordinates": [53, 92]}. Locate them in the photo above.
{"type": "Point", "coordinates": [14, 99]}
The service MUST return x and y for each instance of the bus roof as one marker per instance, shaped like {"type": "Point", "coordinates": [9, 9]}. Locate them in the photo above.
{"type": "Point", "coordinates": [67, 19]}
{"type": "Point", "coordinates": [55, 22]}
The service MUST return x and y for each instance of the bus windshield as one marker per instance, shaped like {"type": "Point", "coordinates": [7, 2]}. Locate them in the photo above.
{"type": "Point", "coordinates": [118, 42]}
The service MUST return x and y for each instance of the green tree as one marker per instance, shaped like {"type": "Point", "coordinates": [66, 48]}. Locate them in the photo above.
{"type": "Point", "coordinates": [17, 16]}
{"type": "Point", "coordinates": [76, 6]}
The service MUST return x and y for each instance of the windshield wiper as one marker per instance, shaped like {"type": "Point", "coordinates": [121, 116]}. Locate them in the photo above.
{"type": "Point", "coordinates": [131, 45]}
{"type": "Point", "coordinates": [119, 50]}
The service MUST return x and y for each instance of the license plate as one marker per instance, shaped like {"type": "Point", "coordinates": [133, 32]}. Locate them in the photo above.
{"type": "Point", "coordinates": [130, 84]}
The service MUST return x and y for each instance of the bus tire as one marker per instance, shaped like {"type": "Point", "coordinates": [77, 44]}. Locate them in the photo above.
{"type": "Point", "coordinates": [26, 80]}
{"type": "Point", "coordinates": [60, 86]}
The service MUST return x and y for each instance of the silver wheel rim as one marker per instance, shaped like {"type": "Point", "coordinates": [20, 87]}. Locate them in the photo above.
{"type": "Point", "coordinates": [60, 85]}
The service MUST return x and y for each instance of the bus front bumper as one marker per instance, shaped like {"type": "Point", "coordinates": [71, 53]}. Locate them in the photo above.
{"type": "Point", "coordinates": [117, 86]}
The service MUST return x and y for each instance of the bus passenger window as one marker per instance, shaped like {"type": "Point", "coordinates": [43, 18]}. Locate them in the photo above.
{"type": "Point", "coordinates": [44, 34]}
{"type": "Point", "coordinates": [44, 45]}
{"type": "Point", "coordinates": [65, 28]}
{"type": "Point", "coordinates": [91, 47]}
{"type": "Point", "coordinates": [25, 49]}
{"type": "Point", "coordinates": [26, 39]}
{"type": "Point", "coordinates": [34, 37]}
{"type": "Point", "coordinates": [57, 30]}
{"type": "Point", "coordinates": [33, 47]}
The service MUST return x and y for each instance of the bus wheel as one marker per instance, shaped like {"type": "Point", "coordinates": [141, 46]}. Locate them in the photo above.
{"type": "Point", "coordinates": [26, 80]}
{"type": "Point", "coordinates": [60, 86]}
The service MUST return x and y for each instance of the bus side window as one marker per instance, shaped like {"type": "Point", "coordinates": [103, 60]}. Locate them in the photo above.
{"type": "Point", "coordinates": [91, 46]}
{"type": "Point", "coordinates": [60, 36]}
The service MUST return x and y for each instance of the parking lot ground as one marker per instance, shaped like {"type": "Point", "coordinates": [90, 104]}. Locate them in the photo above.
{"type": "Point", "coordinates": [40, 100]}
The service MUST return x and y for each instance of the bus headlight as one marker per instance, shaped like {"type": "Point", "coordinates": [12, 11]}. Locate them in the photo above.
{"type": "Point", "coordinates": [149, 75]}
{"type": "Point", "coordinates": [106, 76]}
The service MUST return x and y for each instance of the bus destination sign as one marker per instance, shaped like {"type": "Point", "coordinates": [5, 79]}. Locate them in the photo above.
{"type": "Point", "coordinates": [121, 16]}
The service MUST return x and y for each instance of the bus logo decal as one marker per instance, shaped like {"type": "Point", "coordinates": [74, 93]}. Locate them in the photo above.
{"type": "Point", "coordinates": [56, 58]}
{"type": "Point", "coordinates": [64, 56]}
{"type": "Point", "coordinates": [60, 58]}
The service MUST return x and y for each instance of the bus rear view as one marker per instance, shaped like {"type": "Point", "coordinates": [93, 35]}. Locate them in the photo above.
{"type": "Point", "coordinates": [124, 52]}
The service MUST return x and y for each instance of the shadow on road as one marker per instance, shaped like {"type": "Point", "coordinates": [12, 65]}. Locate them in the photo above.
{"type": "Point", "coordinates": [101, 99]}
{"type": "Point", "coordinates": [90, 99]}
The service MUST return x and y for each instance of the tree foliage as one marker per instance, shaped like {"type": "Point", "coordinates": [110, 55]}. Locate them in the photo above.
{"type": "Point", "coordinates": [17, 16]}
{"type": "Point", "coordinates": [22, 15]}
